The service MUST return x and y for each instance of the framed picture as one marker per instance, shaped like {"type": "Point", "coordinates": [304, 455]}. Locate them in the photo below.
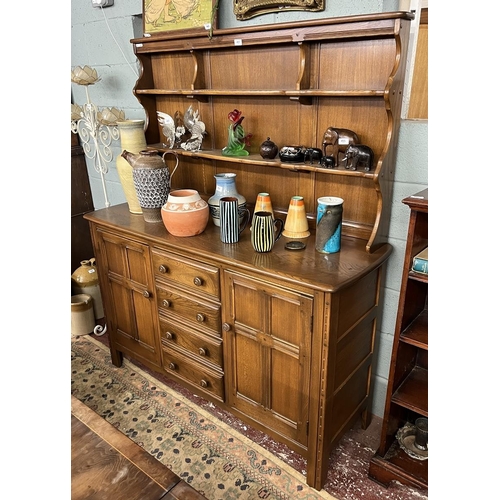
{"type": "Point", "coordinates": [245, 9]}
{"type": "Point", "coordinates": [164, 16]}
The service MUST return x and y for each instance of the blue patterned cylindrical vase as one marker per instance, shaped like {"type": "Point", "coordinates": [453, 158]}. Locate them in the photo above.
{"type": "Point", "coordinates": [329, 224]}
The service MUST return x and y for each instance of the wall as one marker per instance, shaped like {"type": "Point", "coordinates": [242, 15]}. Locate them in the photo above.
{"type": "Point", "coordinates": [100, 38]}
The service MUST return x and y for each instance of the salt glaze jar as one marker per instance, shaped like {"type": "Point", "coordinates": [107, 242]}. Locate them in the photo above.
{"type": "Point", "coordinates": [186, 213]}
{"type": "Point", "coordinates": [225, 185]}
{"type": "Point", "coordinates": [85, 280]}
{"type": "Point", "coordinates": [82, 314]}
{"type": "Point", "coordinates": [151, 179]}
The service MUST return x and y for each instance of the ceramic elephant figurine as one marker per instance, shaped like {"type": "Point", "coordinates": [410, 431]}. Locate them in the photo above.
{"type": "Point", "coordinates": [337, 140]}
{"type": "Point", "coordinates": [358, 155]}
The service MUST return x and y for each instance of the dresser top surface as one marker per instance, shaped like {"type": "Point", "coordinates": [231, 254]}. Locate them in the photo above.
{"type": "Point", "coordinates": [326, 272]}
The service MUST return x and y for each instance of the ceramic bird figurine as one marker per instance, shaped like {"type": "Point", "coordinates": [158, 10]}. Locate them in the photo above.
{"type": "Point", "coordinates": [194, 142]}
{"type": "Point", "coordinates": [196, 128]}
{"type": "Point", "coordinates": [168, 128]}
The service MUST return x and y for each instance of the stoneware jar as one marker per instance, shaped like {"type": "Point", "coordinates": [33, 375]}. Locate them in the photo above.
{"type": "Point", "coordinates": [133, 139]}
{"type": "Point", "coordinates": [186, 213]}
{"type": "Point", "coordinates": [82, 314]}
{"type": "Point", "coordinates": [151, 179]}
{"type": "Point", "coordinates": [85, 280]}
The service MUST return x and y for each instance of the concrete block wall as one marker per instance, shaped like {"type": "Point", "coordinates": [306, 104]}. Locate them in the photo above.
{"type": "Point", "coordinates": [101, 38]}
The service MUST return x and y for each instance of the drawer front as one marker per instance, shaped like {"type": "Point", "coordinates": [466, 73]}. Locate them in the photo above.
{"type": "Point", "coordinates": [201, 377]}
{"type": "Point", "coordinates": [186, 309]}
{"type": "Point", "coordinates": [196, 276]}
{"type": "Point", "coordinates": [201, 346]}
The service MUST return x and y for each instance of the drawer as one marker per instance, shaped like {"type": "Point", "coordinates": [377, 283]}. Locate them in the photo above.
{"type": "Point", "coordinates": [188, 310]}
{"type": "Point", "coordinates": [201, 346]}
{"type": "Point", "coordinates": [196, 276]}
{"type": "Point", "coordinates": [197, 375]}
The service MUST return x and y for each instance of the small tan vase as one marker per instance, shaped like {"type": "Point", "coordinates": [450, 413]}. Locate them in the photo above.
{"type": "Point", "coordinates": [296, 225]}
{"type": "Point", "coordinates": [132, 139]}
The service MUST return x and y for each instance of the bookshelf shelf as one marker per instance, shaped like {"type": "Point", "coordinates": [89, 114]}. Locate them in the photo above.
{"type": "Point", "coordinates": [407, 388]}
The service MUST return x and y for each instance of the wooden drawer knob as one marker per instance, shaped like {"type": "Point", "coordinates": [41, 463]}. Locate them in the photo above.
{"type": "Point", "coordinates": [163, 269]}
{"type": "Point", "coordinates": [146, 294]}
{"type": "Point", "coordinates": [169, 335]}
{"type": "Point", "coordinates": [226, 327]}
{"type": "Point", "coordinates": [165, 303]}
{"type": "Point", "coordinates": [202, 351]}
{"type": "Point", "coordinates": [204, 383]}
{"type": "Point", "coordinates": [172, 366]}
{"type": "Point", "coordinates": [200, 317]}
{"type": "Point", "coordinates": [198, 281]}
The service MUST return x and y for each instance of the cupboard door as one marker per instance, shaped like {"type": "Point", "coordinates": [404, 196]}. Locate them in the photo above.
{"type": "Point", "coordinates": [267, 336]}
{"type": "Point", "coordinates": [131, 301]}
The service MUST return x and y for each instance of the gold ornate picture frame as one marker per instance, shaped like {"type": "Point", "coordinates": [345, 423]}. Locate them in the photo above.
{"type": "Point", "coordinates": [246, 9]}
{"type": "Point", "coordinates": [165, 16]}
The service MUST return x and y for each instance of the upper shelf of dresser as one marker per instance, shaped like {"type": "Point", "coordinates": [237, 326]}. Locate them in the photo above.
{"type": "Point", "coordinates": [291, 81]}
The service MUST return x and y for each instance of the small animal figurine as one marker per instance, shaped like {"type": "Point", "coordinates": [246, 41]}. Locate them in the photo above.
{"type": "Point", "coordinates": [197, 129]}
{"type": "Point", "coordinates": [358, 155]}
{"type": "Point", "coordinates": [337, 140]}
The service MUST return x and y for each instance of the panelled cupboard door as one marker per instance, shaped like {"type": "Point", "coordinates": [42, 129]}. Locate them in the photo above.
{"type": "Point", "coordinates": [131, 303]}
{"type": "Point", "coordinates": [267, 332]}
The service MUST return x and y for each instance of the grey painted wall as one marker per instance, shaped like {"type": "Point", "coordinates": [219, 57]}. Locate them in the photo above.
{"type": "Point", "coordinates": [100, 38]}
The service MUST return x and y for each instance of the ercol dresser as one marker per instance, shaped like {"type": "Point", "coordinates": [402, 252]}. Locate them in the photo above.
{"type": "Point", "coordinates": [283, 340]}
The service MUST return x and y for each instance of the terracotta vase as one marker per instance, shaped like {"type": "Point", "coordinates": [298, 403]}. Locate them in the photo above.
{"type": "Point", "coordinates": [186, 213]}
{"type": "Point", "coordinates": [296, 225]}
{"type": "Point", "coordinates": [132, 139]}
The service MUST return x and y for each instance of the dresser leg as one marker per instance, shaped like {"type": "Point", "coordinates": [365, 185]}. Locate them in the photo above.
{"type": "Point", "coordinates": [116, 357]}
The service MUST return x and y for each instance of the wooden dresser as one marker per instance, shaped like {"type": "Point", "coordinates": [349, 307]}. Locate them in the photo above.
{"type": "Point", "coordinates": [284, 339]}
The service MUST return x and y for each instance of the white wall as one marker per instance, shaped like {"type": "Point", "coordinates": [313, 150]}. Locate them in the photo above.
{"type": "Point", "coordinates": [93, 44]}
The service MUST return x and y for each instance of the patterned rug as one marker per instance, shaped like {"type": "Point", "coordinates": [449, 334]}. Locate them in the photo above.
{"type": "Point", "coordinates": [212, 457]}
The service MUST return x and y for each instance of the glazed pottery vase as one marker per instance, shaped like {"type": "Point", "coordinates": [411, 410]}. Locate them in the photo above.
{"type": "Point", "coordinates": [263, 203]}
{"type": "Point", "coordinates": [225, 185]}
{"type": "Point", "coordinates": [231, 226]}
{"type": "Point", "coordinates": [186, 213]}
{"type": "Point", "coordinates": [265, 231]}
{"type": "Point", "coordinates": [85, 280]}
{"type": "Point", "coordinates": [329, 224]}
{"type": "Point", "coordinates": [132, 139]}
{"type": "Point", "coordinates": [151, 180]}
{"type": "Point", "coordinates": [296, 225]}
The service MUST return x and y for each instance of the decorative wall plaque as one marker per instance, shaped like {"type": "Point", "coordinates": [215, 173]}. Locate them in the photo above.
{"type": "Point", "coordinates": [246, 9]}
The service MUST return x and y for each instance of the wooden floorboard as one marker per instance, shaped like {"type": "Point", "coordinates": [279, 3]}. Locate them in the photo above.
{"type": "Point", "coordinates": [106, 464]}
